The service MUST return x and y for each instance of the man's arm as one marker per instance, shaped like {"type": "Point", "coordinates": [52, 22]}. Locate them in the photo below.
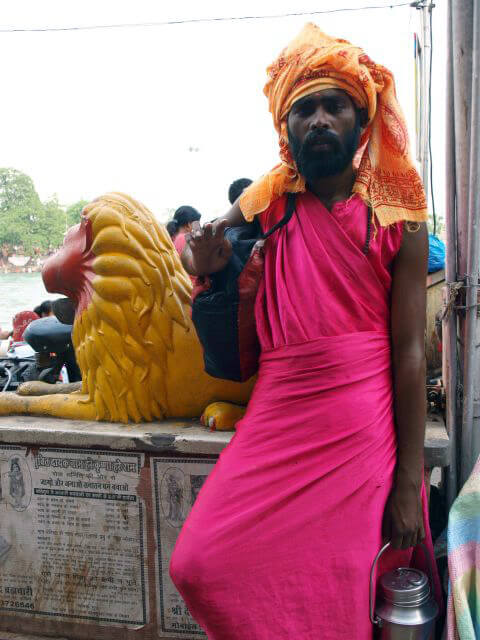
{"type": "Point", "coordinates": [207, 250]}
{"type": "Point", "coordinates": [403, 520]}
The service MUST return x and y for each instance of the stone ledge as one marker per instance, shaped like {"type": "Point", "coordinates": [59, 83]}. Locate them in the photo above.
{"type": "Point", "coordinates": [437, 443]}
{"type": "Point", "coordinates": [435, 278]}
{"type": "Point", "coordinates": [168, 437]}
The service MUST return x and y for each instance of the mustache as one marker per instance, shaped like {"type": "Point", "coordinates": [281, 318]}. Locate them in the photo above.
{"type": "Point", "coordinates": [320, 137]}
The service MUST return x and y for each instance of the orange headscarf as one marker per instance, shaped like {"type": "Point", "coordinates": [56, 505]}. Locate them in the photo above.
{"type": "Point", "coordinates": [386, 177]}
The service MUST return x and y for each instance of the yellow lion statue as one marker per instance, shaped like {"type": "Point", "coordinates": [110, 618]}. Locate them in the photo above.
{"type": "Point", "coordinates": [134, 340]}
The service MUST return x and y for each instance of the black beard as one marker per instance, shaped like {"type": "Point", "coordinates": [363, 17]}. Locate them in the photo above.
{"type": "Point", "coordinates": [312, 164]}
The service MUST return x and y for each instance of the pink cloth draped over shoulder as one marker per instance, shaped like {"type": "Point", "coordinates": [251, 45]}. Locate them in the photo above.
{"type": "Point", "coordinates": [280, 541]}
{"type": "Point", "coordinates": [180, 242]}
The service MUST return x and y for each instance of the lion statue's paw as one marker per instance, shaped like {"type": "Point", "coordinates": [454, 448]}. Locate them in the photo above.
{"type": "Point", "coordinates": [72, 406]}
{"type": "Point", "coordinates": [39, 388]}
{"type": "Point", "coordinates": [222, 416]}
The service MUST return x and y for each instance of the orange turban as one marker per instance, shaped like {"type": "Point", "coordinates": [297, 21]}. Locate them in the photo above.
{"type": "Point", "coordinates": [386, 178]}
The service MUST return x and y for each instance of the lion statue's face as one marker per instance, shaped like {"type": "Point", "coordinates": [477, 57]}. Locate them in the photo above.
{"type": "Point", "coordinates": [69, 271]}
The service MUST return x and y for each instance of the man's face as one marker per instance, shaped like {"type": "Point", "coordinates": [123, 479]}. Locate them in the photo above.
{"type": "Point", "coordinates": [323, 133]}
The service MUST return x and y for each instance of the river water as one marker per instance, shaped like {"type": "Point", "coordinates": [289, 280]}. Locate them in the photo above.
{"type": "Point", "coordinates": [18, 292]}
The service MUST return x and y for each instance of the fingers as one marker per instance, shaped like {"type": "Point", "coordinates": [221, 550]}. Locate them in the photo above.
{"type": "Point", "coordinates": [397, 541]}
{"type": "Point", "coordinates": [414, 539]}
{"type": "Point", "coordinates": [194, 235]}
{"type": "Point", "coordinates": [196, 227]}
{"type": "Point", "coordinates": [410, 540]}
{"type": "Point", "coordinates": [403, 519]}
{"type": "Point", "coordinates": [208, 232]}
{"type": "Point", "coordinates": [402, 535]}
{"type": "Point", "coordinates": [407, 540]}
{"type": "Point", "coordinates": [220, 228]}
{"type": "Point", "coordinates": [403, 541]}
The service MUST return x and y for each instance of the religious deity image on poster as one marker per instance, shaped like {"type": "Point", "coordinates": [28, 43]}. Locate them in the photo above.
{"type": "Point", "coordinates": [19, 483]}
{"type": "Point", "coordinates": [176, 483]}
{"type": "Point", "coordinates": [15, 495]}
{"type": "Point", "coordinates": [173, 496]}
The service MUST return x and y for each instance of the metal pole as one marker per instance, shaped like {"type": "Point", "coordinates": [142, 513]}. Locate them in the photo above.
{"type": "Point", "coordinates": [425, 96]}
{"type": "Point", "coordinates": [418, 98]}
{"type": "Point", "coordinates": [449, 329]}
{"type": "Point", "coordinates": [422, 84]}
{"type": "Point", "coordinates": [462, 45]}
{"type": "Point", "coordinates": [471, 439]}
{"type": "Point", "coordinates": [462, 39]}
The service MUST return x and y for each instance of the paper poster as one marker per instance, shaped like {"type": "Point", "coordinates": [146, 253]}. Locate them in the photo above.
{"type": "Point", "coordinates": [72, 535]}
{"type": "Point", "coordinates": [176, 484]}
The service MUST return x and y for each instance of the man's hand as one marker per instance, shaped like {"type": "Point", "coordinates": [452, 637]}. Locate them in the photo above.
{"type": "Point", "coordinates": [403, 516]}
{"type": "Point", "coordinates": [207, 250]}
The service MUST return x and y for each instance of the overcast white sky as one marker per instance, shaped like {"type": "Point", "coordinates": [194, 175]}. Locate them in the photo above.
{"type": "Point", "coordinates": [93, 111]}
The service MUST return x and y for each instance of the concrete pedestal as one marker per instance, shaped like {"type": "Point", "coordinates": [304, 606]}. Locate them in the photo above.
{"type": "Point", "coordinates": [89, 515]}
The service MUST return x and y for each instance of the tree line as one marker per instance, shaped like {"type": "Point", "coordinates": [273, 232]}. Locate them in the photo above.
{"type": "Point", "coordinates": [28, 225]}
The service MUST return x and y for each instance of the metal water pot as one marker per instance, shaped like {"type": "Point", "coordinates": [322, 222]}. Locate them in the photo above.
{"type": "Point", "coordinates": [405, 607]}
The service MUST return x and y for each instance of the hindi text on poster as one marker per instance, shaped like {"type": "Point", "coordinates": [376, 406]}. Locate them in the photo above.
{"type": "Point", "coordinates": [72, 530]}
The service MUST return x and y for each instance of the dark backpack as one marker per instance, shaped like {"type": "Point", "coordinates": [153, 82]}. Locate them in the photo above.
{"type": "Point", "coordinates": [223, 303]}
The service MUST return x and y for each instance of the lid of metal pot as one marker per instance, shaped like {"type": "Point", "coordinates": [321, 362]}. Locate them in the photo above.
{"type": "Point", "coordinates": [405, 587]}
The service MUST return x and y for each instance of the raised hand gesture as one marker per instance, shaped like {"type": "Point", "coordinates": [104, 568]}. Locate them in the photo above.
{"type": "Point", "coordinates": [207, 250]}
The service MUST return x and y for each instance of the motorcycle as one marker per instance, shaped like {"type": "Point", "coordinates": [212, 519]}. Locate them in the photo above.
{"type": "Point", "coordinates": [14, 362]}
{"type": "Point", "coordinates": [46, 354]}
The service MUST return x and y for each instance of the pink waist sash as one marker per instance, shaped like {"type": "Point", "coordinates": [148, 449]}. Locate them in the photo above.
{"type": "Point", "coordinates": [329, 399]}
{"type": "Point", "coordinates": [331, 362]}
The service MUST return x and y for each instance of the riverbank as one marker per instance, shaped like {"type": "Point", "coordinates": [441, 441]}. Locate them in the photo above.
{"type": "Point", "coordinates": [18, 263]}
{"type": "Point", "coordinates": [21, 291]}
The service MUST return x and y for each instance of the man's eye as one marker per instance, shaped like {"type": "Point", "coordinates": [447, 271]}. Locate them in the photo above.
{"type": "Point", "coordinates": [334, 106]}
{"type": "Point", "coordinates": [305, 109]}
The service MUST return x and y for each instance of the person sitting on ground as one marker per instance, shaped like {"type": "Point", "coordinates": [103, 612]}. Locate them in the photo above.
{"type": "Point", "coordinates": [44, 309]}
{"type": "Point", "coordinates": [237, 187]}
{"type": "Point", "coordinates": [20, 322]}
{"type": "Point", "coordinates": [182, 221]}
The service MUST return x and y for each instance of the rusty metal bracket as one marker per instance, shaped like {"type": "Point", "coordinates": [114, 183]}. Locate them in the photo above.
{"type": "Point", "coordinates": [454, 295]}
{"type": "Point", "coordinates": [451, 294]}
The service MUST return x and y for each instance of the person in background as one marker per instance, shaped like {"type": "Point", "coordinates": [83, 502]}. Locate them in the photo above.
{"type": "Point", "coordinates": [182, 222]}
{"type": "Point", "coordinates": [44, 309]}
{"type": "Point", "coordinates": [20, 322]}
{"type": "Point", "coordinates": [172, 228]}
{"type": "Point", "coordinates": [237, 187]}
{"type": "Point", "coordinates": [22, 319]}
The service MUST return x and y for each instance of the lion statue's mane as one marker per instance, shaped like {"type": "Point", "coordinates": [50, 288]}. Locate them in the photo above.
{"type": "Point", "coordinates": [139, 291]}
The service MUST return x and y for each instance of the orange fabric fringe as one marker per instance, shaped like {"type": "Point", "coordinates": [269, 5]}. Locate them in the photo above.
{"type": "Point", "coordinates": [386, 177]}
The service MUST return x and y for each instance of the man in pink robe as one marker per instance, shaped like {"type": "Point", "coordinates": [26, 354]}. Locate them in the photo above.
{"type": "Point", "coordinates": [328, 460]}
